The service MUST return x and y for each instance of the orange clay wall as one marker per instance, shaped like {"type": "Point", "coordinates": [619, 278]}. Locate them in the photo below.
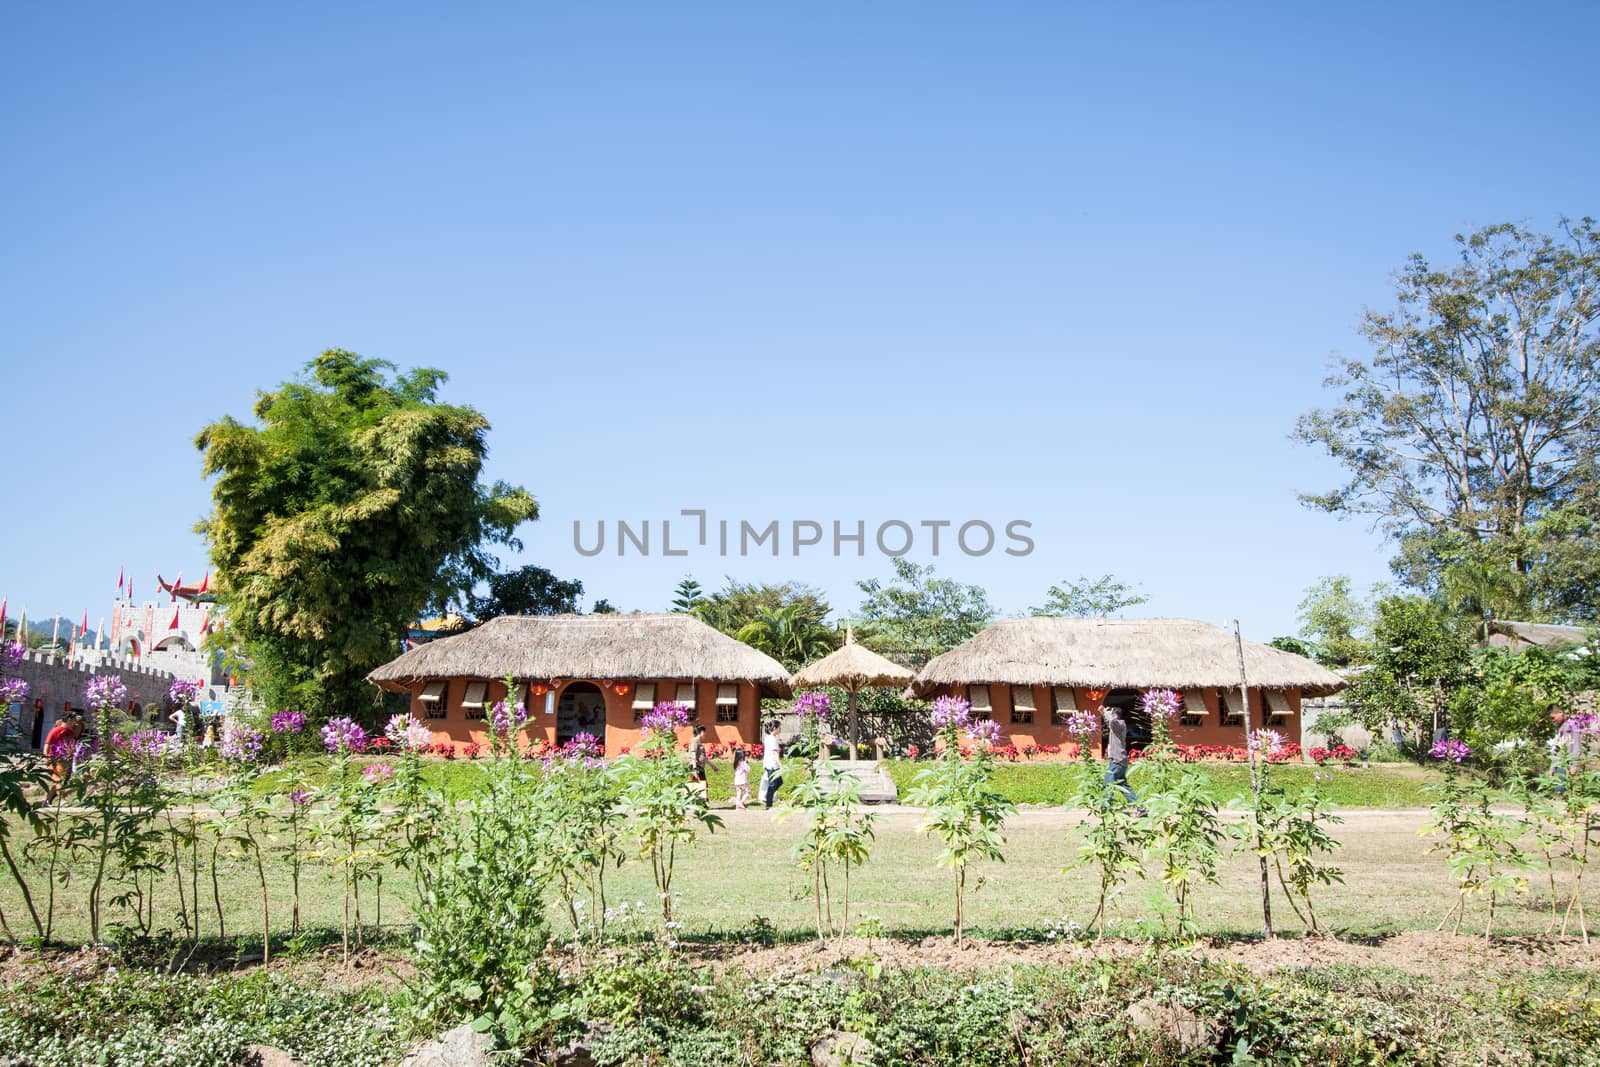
{"type": "Point", "coordinates": [451, 725]}
{"type": "Point", "coordinates": [1209, 731]}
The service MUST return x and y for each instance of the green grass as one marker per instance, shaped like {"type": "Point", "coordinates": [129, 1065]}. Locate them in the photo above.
{"type": "Point", "coordinates": [744, 872]}
{"type": "Point", "coordinates": [1385, 786]}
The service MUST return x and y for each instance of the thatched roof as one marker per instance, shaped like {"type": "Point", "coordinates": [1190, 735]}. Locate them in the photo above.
{"type": "Point", "coordinates": [1118, 653]}
{"type": "Point", "coordinates": [852, 667]}
{"type": "Point", "coordinates": [588, 646]}
{"type": "Point", "coordinates": [1505, 633]}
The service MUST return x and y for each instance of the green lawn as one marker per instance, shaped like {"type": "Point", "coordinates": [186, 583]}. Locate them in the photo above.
{"type": "Point", "coordinates": [734, 880]}
{"type": "Point", "coordinates": [1385, 786]}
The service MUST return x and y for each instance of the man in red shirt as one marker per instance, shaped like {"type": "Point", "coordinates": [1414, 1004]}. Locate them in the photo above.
{"type": "Point", "coordinates": [58, 746]}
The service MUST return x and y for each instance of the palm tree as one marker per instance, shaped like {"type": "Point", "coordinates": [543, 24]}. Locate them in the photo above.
{"type": "Point", "coordinates": [789, 634]}
{"type": "Point", "coordinates": [1483, 590]}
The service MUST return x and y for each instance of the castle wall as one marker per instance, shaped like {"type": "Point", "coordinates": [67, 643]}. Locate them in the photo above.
{"type": "Point", "coordinates": [55, 683]}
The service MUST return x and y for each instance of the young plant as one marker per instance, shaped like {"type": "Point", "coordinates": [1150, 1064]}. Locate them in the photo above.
{"type": "Point", "coordinates": [664, 810]}
{"type": "Point", "coordinates": [1112, 830]}
{"type": "Point", "coordinates": [1182, 826]}
{"type": "Point", "coordinates": [962, 808]}
{"type": "Point", "coordinates": [584, 832]}
{"type": "Point", "coordinates": [838, 836]}
{"type": "Point", "coordinates": [20, 771]}
{"type": "Point", "coordinates": [1480, 846]}
{"type": "Point", "coordinates": [1288, 831]}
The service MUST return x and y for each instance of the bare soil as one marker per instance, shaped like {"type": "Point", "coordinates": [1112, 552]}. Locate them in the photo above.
{"type": "Point", "coordinates": [1423, 953]}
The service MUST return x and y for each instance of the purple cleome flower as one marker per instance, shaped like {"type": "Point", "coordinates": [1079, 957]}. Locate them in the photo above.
{"type": "Point", "coordinates": [1450, 749]}
{"type": "Point", "coordinates": [813, 705]}
{"type": "Point", "coordinates": [288, 722]}
{"type": "Point", "coordinates": [1083, 723]}
{"type": "Point", "coordinates": [1267, 742]}
{"type": "Point", "coordinates": [953, 712]}
{"type": "Point", "coordinates": [666, 717]}
{"type": "Point", "coordinates": [146, 743]}
{"type": "Point", "coordinates": [183, 691]}
{"type": "Point", "coordinates": [105, 691]}
{"type": "Point", "coordinates": [240, 743]}
{"type": "Point", "coordinates": [13, 691]}
{"type": "Point", "coordinates": [342, 735]}
{"type": "Point", "coordinates": [407, 734]}
{"type": "Point", "coordinates": [505, 719]}
{"type": "Point", "coordinates": [984, 731]}
{"type": "Point", "coordinates": [300, 799]}
{"type": "Point", "coordinates": [1162, 703]}
{"type": "Point", "coordinates": [11, 654]}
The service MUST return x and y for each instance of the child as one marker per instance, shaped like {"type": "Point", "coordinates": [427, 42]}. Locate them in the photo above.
{"type": "Point", "coordinates": [741, 779]}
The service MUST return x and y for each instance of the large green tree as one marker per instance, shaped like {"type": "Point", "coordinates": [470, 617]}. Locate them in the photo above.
{"type": "Point", "coordinates": [915, 616]}
{"type": "Point", "coordinates": [1420, 658]}
{"type": "Point", "coordinates": [352, 505]}
{"type": "Point", "coordinates": [1473, 431]}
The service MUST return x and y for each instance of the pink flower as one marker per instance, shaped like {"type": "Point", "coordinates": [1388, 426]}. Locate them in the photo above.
{"type": "Point", "coordinates": [377, 773]}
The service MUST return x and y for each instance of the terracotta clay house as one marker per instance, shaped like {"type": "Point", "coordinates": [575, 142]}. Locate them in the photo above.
{"type": "Point", "coordinates": [594, 674]}
{"type": "Point", "coordinates": [1030, 674]}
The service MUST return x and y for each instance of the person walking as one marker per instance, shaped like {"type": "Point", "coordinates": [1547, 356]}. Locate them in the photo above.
{"type": "Point", "coordinates": [741, 779]}
{"type": "Point", "coordinates": [1116, 735]}
{"type": "Point", "coordinates": [771, 764]}
{"type": "Point", "coordinates": [697, 753]}
{"type": "Point", "coordinates": [1566, 747]}
{"type": "Point", "coordinates": [60, 748]}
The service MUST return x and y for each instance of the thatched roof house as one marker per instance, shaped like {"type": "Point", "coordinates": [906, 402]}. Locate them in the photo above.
{"type": "Point", "coordinates": [1020, 666]}
{"type": "Point", "coordinates": [592, 673]}
{"type": "Point", "coordinates": [1118, 653]}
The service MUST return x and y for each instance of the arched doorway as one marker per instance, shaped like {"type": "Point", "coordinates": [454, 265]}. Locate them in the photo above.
{"type": "Point", "coordinates": [1138, 722]}
{"type": "Point", "coordinates": [581, 710]}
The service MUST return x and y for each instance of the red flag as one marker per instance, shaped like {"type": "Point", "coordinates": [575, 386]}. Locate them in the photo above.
{"type": "Point", "coordinates": [130, 589]}
{"type": "Point", "coordinates": [3, 620]}
{"type": "Point", "coordinates": [120, 573]}
{"type": "Point", "coordinates": [205, 626]}
{"type": "Point", "coordinates": [84, 627]}
{"type": "Point", "coordinates": [205, 583]}
{"type": "Point", "coordinates": [174, 587]}
{"type": "Point", "coordinates": [174, 623]}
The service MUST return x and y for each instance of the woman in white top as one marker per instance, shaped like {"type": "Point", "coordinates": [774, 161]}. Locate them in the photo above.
{"type": "Point", "coordinates": [771, 764]}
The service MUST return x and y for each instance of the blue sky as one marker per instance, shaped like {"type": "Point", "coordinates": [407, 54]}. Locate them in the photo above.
{"type": "Point", "coordinates": [1082, 267]}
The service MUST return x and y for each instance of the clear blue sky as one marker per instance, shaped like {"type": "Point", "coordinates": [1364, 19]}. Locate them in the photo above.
{"type": "Point", "coordinates": [1081, 266]}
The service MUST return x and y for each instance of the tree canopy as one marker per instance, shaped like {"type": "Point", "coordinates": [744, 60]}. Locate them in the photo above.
{"type": "Point", "coordinates": [787, 621]}
{"type": "Point", "coordinates": [529, 590]}
{"type": "Point", "coordinates": [1088, 599]}
{"type": "Point", "coordinates": [1473, 432]}
{"type": "Point", "coordinates": [1335, 623]}
{"type": "Point", "coordinates": [350, 507]}
{"type": "Point", "coordinates": [916, 616]}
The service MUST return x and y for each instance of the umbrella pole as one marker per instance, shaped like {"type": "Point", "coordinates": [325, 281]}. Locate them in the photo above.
{"type": "Point", "coordinates": [854, 738]}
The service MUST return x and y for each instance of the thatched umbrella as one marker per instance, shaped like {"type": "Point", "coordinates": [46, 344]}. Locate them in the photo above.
{"type": "Point", "coordinates": [852, 668]}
